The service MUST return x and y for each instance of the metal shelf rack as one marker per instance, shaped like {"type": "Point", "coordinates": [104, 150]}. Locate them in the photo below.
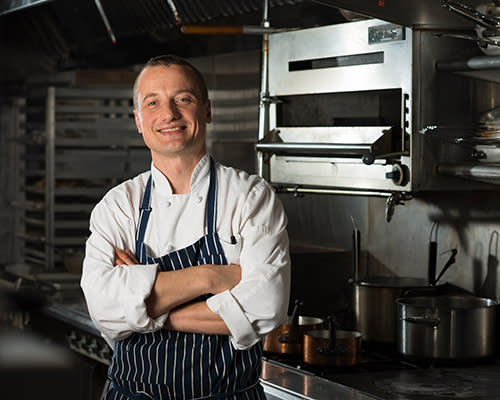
{"type": "Point", "coordinates": [75, 144]}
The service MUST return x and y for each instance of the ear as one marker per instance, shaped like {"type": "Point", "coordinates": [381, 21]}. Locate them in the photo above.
{"type": "Point", "coordinates": [209, 112]}
{"type": "Point", "coordinates": [138, 122]}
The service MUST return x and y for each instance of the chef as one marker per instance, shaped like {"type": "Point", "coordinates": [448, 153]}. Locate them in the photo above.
{"type": "Point", "coordinates": [187, 266]}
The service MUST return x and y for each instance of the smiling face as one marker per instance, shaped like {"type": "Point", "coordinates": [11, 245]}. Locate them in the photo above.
{"type": "Point", "coordinates": [171, 112]}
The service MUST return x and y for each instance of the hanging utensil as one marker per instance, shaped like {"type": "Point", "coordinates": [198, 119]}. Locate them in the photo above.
{"type": "Point", "coordinates": [431, 272]}
{"type": "Point", "coordinates": [487, 21]}
{"type": "Point", "coordinates": [487, 24]}
{"type": "Point", "coordinates": [356, 250]}
{"type": "Point", "coordinates": [448, 264]}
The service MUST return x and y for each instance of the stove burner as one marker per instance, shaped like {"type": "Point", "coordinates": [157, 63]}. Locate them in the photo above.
{"type": "Point", "coordinates": [444, 384]}
{"type": "Point", "coordinates": [437, 389]}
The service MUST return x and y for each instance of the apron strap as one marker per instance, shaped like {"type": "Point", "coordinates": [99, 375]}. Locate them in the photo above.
{"type": "Point", "coordinates": [212, 200]}
{"type": "Point", "coordinates": [140, 249]}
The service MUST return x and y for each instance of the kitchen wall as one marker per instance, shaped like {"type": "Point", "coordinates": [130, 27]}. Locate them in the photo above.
{"type": "Point", "coordinates": [233, 81]}
{"type": "Point", "coordinates": [468, 221]}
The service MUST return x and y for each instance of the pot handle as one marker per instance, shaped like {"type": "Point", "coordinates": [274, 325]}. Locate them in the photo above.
{"type": "Point", "coordinates": [332, 348]}
{"type": "Point", "coordinates": [293, 335]}
{"type": "Point", "coordinates": [424, 320]}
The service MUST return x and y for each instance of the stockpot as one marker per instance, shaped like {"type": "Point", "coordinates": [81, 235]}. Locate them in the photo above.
{"type": "Point", "coordinates": [447, 327]}
{"type": "Point", "coordinates": [375, 306]}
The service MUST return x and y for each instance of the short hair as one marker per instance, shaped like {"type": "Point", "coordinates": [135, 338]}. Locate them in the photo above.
{"type": "Point", "coordinates": [167, 60]}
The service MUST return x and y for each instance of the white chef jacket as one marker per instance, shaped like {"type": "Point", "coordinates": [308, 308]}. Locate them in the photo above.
{"type": "Point", "coordinates": [247, 209]}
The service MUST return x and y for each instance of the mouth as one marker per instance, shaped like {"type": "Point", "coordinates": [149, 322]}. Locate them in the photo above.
{"type": "Point", "coordinates": [171, 130]}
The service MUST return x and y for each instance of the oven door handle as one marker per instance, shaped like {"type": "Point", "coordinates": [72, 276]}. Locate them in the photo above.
{"type": "Point", "coordinates": [326, 149]}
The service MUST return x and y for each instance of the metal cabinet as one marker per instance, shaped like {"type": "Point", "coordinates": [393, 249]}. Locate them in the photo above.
{"type": "Point", "coordinates": [74, 145]}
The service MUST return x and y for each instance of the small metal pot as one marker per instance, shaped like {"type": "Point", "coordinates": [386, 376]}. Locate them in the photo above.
{"type": "Point", "coordinates": [288, 338]}
{"type": "Point", "coordinates": [284, 341]}
{"type": "Point", "coordinates": [332, 347]}
{"type": "Point", "coordinates": [447, 327]}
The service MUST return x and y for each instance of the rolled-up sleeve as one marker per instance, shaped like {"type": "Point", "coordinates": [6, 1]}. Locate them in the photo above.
{"type": "Point", "coordinates": [259, 302]}
{"type": "Point", "coordinates": [115, 295]}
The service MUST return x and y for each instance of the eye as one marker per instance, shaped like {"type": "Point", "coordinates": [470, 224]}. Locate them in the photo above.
{"type": "Point", "coordinates": [152, 103]}
{"type": "Point", "coordinates": [184, 100]}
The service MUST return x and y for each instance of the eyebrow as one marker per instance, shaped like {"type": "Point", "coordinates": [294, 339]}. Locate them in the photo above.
{"type": "Point", "coordinates": [149, 95]}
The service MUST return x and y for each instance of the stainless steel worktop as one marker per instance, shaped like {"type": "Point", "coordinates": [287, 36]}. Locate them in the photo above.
{"type": "Point", "coordinates": [281, 382]}
{"type": "Point", "coordinates": [278, 380]}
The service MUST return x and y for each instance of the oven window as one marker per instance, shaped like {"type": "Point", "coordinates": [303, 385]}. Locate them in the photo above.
{"type": "Point", "coordinates": [366, 108]}
{"type": "Point", "coordinates": [340, 61]}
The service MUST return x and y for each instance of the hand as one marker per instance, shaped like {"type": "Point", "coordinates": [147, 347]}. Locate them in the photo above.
{"type": "Point", "coordinates": [124, 257]}
{"type": "Point", "coordinates": [225, 278]}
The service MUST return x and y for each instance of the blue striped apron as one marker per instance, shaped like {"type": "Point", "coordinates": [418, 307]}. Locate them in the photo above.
{"type": "Point", "coordinates": [180, 365]}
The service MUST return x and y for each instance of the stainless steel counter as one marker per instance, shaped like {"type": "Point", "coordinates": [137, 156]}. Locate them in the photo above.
{"type": "Point", "coordinates": [278, 380]}
{"type": "Point", "coordinates": [281, 382]}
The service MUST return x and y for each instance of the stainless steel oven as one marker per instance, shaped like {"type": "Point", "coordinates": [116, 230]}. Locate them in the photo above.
{"type": "Point", "coordinates": [362, 107]}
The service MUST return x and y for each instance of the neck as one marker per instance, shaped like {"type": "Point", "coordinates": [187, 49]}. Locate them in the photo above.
{"type": "Point", "coordinates": [178, 171]}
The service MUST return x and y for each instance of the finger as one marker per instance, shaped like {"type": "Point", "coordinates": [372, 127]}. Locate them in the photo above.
{"type": "Point", "coordinates": [118, 261]}
{"type": "Point", "coordinates": [123, 256]}
{"type": "Point", "coordinates": [131, 256]}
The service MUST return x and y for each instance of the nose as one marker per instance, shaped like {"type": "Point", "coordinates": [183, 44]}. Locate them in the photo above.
{"type": "Point", "coordinates": [169, 111]}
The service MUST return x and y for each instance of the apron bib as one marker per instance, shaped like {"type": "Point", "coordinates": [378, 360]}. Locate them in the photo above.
{"type": "Point", "coordinates": [182, 365]}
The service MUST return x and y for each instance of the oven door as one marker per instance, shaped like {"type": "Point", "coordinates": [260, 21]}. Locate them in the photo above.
{"type": "Point", "coordinates": [344, 140]}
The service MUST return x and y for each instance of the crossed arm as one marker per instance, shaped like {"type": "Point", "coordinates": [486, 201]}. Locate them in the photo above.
{"type": "Point", "coordinates": [173, 290]}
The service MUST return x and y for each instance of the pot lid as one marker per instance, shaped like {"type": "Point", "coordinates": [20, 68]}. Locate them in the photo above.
{"type": "Point", "coordinates": [392, 281]}
{"type": "Point", "coordinates": [448, 302]}
{"type": "Point", "coordinates": [340, 334]}
{"type": "Point", "coordinates": [306, 320]}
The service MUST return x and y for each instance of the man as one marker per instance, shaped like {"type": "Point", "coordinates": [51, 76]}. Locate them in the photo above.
{"type": "Point", "coordinates": [187, 266]}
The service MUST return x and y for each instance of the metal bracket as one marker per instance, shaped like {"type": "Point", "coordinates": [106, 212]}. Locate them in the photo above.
{"type": "Point", "coordinates": [394, 200]}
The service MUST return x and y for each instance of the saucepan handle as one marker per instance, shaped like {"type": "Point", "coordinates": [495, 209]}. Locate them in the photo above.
{"type": "Point", "coordinates": [424, 320]}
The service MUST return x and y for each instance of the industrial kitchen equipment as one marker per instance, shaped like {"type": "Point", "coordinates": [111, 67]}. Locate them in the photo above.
{"type": "Point", "coordinates": [362, 108]}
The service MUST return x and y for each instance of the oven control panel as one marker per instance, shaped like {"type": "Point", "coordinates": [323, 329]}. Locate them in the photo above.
{"type": "Point", "coordinates": [90, 346]}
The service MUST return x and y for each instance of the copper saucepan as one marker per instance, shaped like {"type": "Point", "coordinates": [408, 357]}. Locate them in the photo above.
{"type": "Point", "coordinates": [332, 347]}
{"type": "Point", "coordinates": [288, 338]}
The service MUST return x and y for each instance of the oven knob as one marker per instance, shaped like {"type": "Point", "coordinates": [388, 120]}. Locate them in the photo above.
{"type": "Point", "coordinates": [72, 338]}
{"type": "Point", "coordinates": [399, 174]}
{"type": "Point", "coordinates": [90, 346]}
{"type": "Point", "coordinates": [368, 158]}
{"type": "Point", "coordinates": [105, 353]}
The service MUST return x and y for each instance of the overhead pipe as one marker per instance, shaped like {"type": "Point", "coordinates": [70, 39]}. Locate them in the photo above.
{"type": "Point", "coordinates": [264, 88]}
{"type": "Point", "coordinates": [13, 6]}
{"type": "Point", "coordinates": [473, 63]}
{"type": "Point", "coordinates": [230, 29]}
{"type": "Point", "coordinates": [481, 172]}
{"type": "Point", "coordinates": [175, 12]}
{"type": "Point", "coordinates": [105, 20]}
